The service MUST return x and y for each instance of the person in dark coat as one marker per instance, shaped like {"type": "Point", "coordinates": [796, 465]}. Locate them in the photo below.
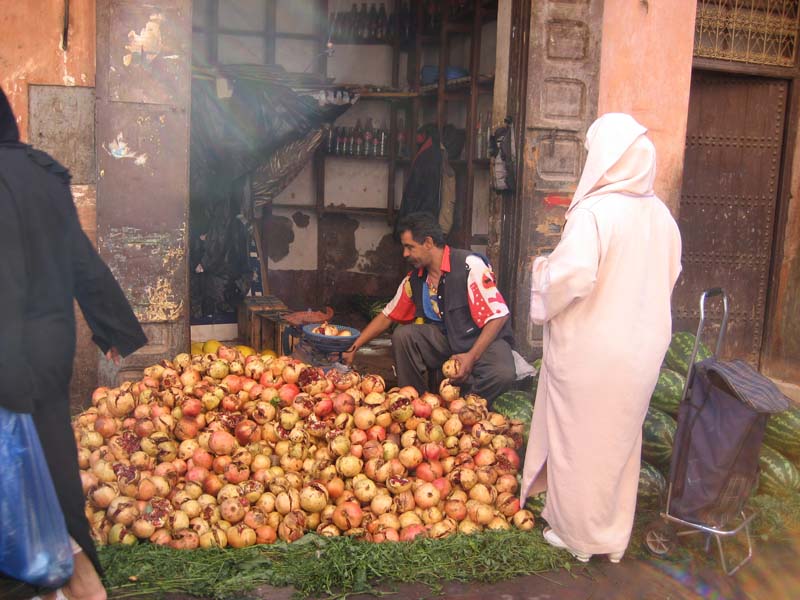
{"type": "Point", "coordinates": [422, 189]}
{"type": "Point", "coordinates": [47, 261]}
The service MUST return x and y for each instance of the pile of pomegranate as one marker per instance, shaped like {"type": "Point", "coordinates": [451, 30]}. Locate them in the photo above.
{"type": "Point", "coordinates": [222, 450]}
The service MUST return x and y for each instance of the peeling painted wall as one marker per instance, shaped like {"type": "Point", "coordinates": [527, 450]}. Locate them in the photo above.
{"type": "Point", "coordinates": [143, 84]}
{"type": "Point", "coordinates": [31, 51]}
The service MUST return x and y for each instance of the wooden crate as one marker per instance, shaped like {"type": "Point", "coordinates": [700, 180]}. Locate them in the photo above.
{"type": "Point", "coordinates": [260, 322]}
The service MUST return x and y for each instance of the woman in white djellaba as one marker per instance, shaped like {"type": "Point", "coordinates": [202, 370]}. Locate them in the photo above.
{"type": "Point", "coordinates": [603, 296]}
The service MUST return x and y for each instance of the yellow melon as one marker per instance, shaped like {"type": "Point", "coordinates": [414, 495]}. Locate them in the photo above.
{"type": "Point", "coordinates": [245, 350]}
{"type": "Point", "coordinates": [211, 347]}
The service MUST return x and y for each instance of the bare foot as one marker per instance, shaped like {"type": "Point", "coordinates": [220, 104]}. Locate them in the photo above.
{"type": "Point", "coordinates": [85, 583]}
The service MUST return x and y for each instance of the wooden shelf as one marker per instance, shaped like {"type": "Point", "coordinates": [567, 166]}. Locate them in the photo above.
{"type": "Point", "coordinates": [336, 42]}
{"type": "Point", "coordinates": [308, 207]}
{"type": "Point", "coordinates": [366, 211]}
{"type": "Point", "coordinates": [356, 158]}
{"type": "Point", "coordinates": [462, 85]}
{"type": "Point", "coordinates": [387, 95]}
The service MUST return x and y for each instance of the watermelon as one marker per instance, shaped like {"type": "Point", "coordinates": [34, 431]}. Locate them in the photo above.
{"type": "Point", "coordinates": [658, 434]}
{"type": "Point", "coordinates": [783, 432]}
{"type": "Point", "coordinates": [778, 476]}
{"type": "Point", "coordinates": [680, 351]}
{"type": "Point", "coordinates": [515, 404]}
{"type": "Point", "coordinates": [652, 487]}
{"type": "Point", "coordinates": [535, 504]}
{"type": "Point", "coordinates": [668, 392]}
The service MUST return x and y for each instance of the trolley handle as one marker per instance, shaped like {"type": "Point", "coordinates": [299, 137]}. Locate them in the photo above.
{"type": "Point", "coordinates": [711, 293]}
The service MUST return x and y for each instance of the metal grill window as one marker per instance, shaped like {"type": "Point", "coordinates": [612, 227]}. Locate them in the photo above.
{"type": "Point", "coordinates": [761, 32]}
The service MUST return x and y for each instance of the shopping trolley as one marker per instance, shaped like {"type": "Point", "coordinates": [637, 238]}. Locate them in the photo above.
{"type": "Point", "coordinates": [714, 469]}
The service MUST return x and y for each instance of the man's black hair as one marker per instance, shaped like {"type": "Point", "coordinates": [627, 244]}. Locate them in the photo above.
{"type": "Point", "coordinates": [422, 225]}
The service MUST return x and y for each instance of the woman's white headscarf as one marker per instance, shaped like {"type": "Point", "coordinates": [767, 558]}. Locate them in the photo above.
{"type": "Point", "coordinates": [620, 159]}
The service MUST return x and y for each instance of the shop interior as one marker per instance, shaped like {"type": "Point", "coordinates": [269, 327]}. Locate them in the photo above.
{"type": "Point", "coordinates": [304, 129]}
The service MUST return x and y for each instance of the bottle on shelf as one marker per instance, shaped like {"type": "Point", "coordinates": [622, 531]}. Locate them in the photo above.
{"type": "Point", "coordinates": [404, 22]}
{"type": "Point", "coordinates": [368, 134]}
{"type": "Point", "coordinates": [487, 137]}
{"type": "Point", "coordinates": [358, 139]}
{"type": "Point", "coordinates": [380, 140]}
{"type": "Point", "coordinates": [480, 143]}
{"type": "Point", "coordinates": [372, 23]}
{"type": "Point", "coordinates": [329, 138]}
{"type": "Point", "coordinates": [401, 138]}
{"type": "Point", "coordinates": [351, 24]}
{"type": "Point", "coordinates": [339, 140]}
{"type": "Point", "coordinates": [362, 26]}
{"type": "Point", "coordinates": [382, 30]}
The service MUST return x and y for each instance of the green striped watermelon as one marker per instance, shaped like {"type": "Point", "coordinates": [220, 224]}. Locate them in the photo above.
{"type": "Point", "coordinates": [658, 434]}
{"type": "Point", "coordinates": [778, 476]}
{"type": "Point", "coordinates": [515, 404]}
{"type": "Point", "coordinates": [535, 504]}
{"type": "Point", "coordinates": [652, 487]}
{"type": "Point", "coordinates": [783, 432]}
{"type": "Point", "coordinates": [680, 351]}
{"type": "Point", "coordinates": [668, 392]}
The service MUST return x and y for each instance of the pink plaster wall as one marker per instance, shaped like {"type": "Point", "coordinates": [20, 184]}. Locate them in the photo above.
{"type": "Point", "coordinates": [645, 70]}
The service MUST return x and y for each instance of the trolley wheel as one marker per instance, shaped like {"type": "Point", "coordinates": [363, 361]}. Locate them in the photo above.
{"type": "Point", "coordinates": [660, 538]}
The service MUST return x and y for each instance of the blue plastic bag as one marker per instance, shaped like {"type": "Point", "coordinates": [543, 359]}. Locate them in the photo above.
{"type": "Point", "coordinates": [34, 543]}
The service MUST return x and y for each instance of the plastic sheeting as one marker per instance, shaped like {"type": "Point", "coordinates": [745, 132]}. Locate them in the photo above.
{"type": "Point", "coordinates": [265, 131]}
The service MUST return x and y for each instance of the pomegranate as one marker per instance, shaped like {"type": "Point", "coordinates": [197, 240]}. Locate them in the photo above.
{"type": "Point", "coordinates": [240, 536]}
{"type": "Point", "coordinates": [347, 516]}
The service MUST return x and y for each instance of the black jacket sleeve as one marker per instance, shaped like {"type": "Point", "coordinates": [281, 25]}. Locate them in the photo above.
{"type": "Point", "coordinates": [13, 292]}
{"type": "Point", "coordinates": [102, 301]}
{"type": "Point", "coordinates": [421, 193]}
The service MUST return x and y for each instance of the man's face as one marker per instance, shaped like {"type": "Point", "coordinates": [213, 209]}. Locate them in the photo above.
{"type": "Point", "coordinates": [418, 255]}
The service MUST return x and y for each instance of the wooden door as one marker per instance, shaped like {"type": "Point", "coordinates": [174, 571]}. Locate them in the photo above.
{"type": "Point", "coordinates": [559, 102]}
{"type": "Point", "coordinates": [734, 143]}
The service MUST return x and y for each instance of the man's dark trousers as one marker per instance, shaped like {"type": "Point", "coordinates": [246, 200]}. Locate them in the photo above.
{"type": "Point", "coordinates": [420, 348]}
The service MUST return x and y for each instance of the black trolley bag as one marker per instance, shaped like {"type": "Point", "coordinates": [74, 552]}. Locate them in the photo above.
{"type": "Point", "coordinates": [715, 458]}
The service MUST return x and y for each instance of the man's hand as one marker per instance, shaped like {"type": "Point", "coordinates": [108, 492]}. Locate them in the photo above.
{"type": "Point", "coordinates": [349, 355]}
{"type": "Point", "coordinates": [465, 363]}
{"type": "Point", "coordinates": [113, 356]}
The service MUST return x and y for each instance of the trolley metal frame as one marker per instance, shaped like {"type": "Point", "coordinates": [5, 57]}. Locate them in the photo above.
{"type": "Point", "coordinates": [660, 541]}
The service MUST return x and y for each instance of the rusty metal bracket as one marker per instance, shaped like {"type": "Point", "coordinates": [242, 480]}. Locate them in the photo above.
{"type": "Point", "coordinates": [65, 29]}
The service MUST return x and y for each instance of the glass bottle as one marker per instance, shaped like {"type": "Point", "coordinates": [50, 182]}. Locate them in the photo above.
{"type": "Point", "coordinates": [329, 137]}
{"type": "Point", "coordinates": [368, 135]}
{"type": "Point", "coordinates": [487, 139]}
{"type": "Point", "coordinates": [339, 140]}
{"type": "Point", "coordinates": [401, 138]}
{"type": "Point", "coordinates": [352, 24]}
{"type": "Point", "coordinates": [479, 141]}
{"type": "Point", "coordinates": [358, 139]}
{"type": "Point", "coordinates": [383, 24]}
{"type": "Point", "coordinates": [381, 140]}
{"type": "Point", "coordinates": [372, 29]}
